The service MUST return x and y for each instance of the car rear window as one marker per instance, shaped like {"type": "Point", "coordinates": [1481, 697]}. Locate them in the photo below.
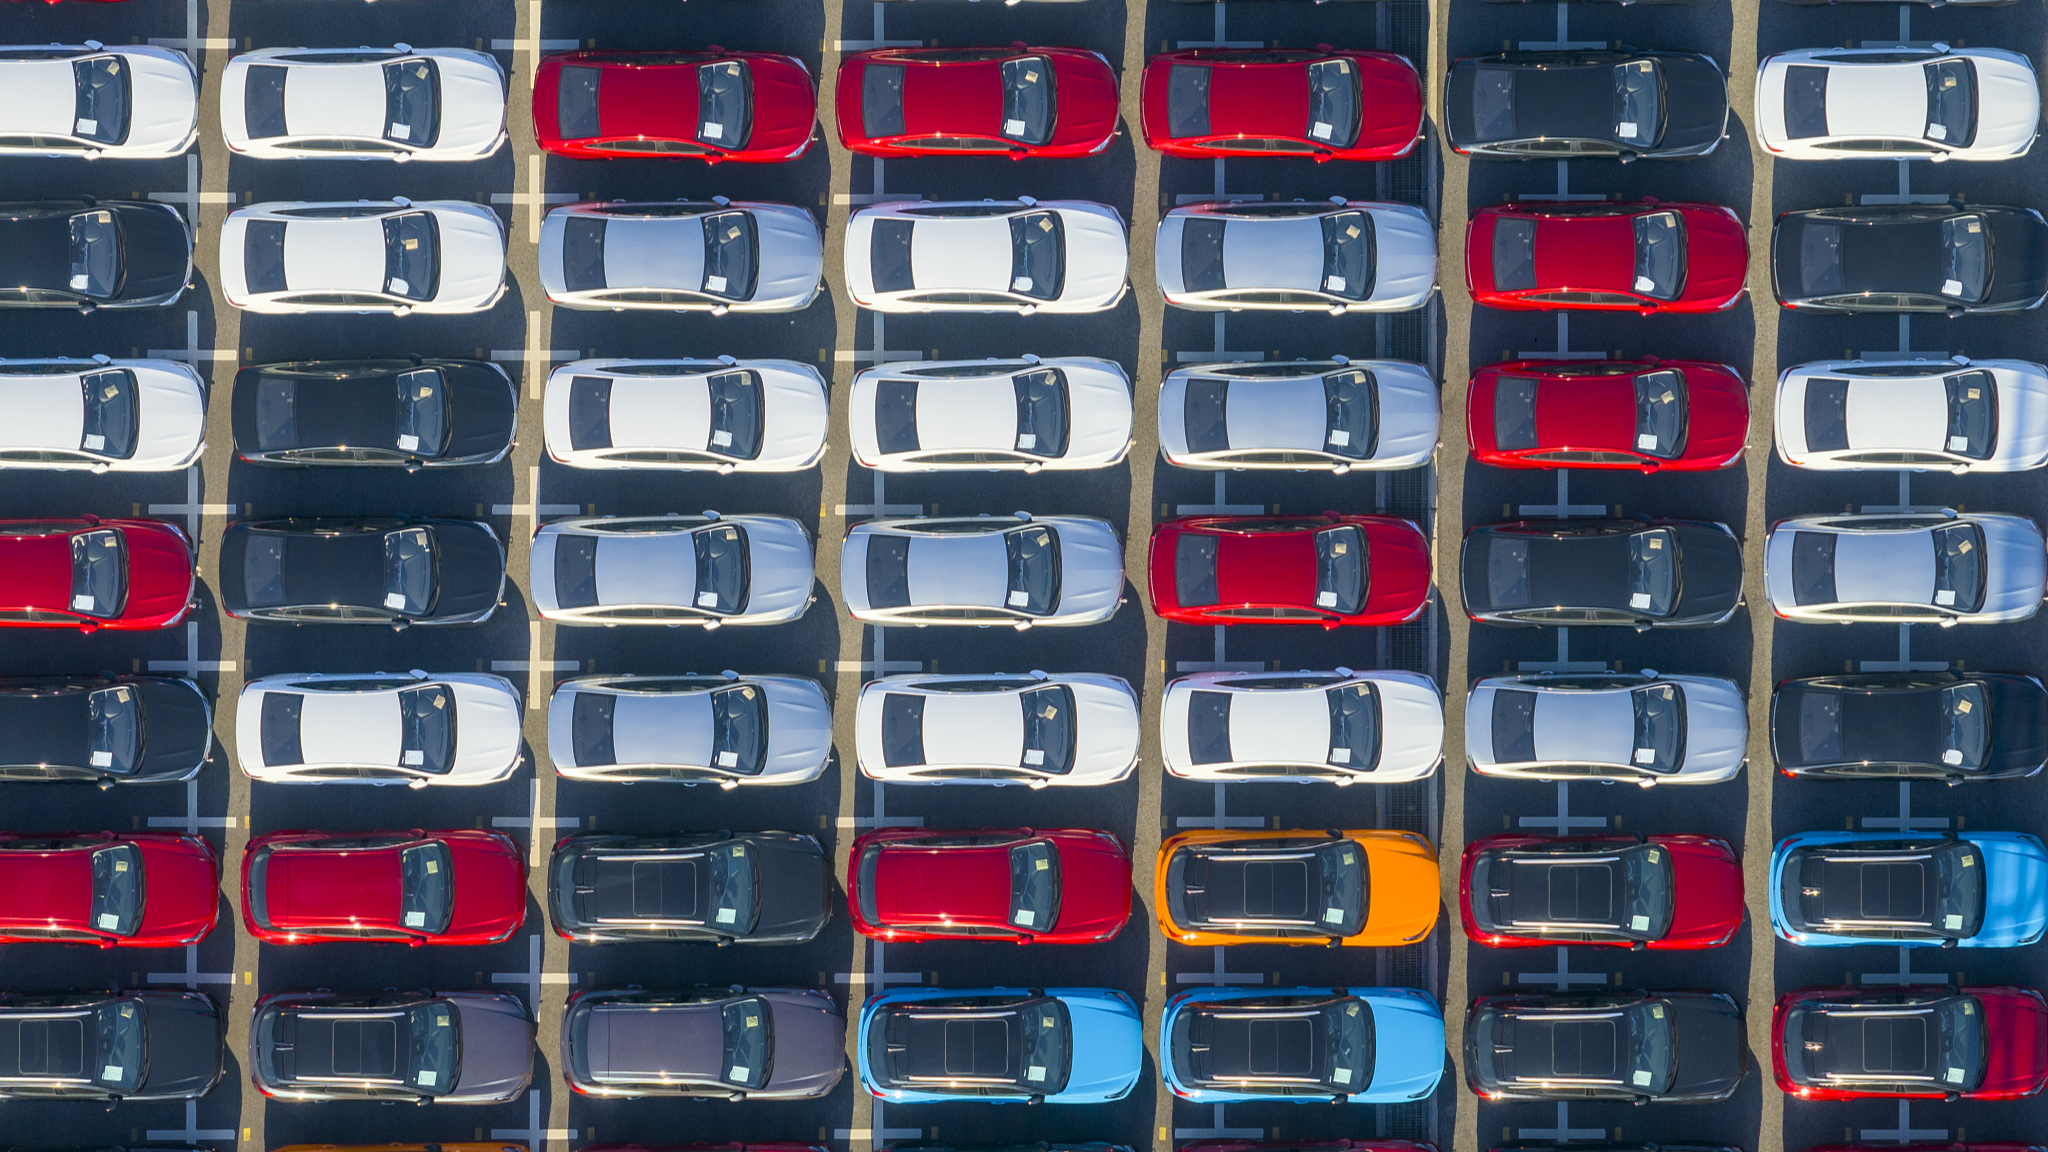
{"type": "Point", "coordinates": [1209, 727]}
{"type": "Point", "coordinates": [888, 571]}
{"type": "Point", "coordinates": [1493, 103]}
{"type": "Point", "coordinates": [1187, 100]}
{"type": "Point", "coordinates": [1806, 101]}
{"type": "Point", "coordinates": [896, 415]}
{"type": "Point", "coordinates": [263, 256]}
{"type": "Point", "coordinates": [263, 101]}
{"type": "Point", "coordinates": [881, 100]}
{"type": "Point", "coordinates": [1820, 259]}
{"type": "Point", "coordinates": [1827, 414]}
{"type": "Point", "coordinates": [263, 570]}
{"type": "Point", "coordinates": [1514, 413]}
{"type": "Point", "coordinates": [1514, 726]}
{"type": "Point", "coordinates": [281, 729]}
{"type": "Point", "coordinates": [1514, 253]}
{"type": "Point", "coordinates": [1201, 253]}
{"type": "Point", "coordinates": [1813, 567]}
{"type": "Point", "coordinates": [575, 570]}
{"type": "Point", "coordinates": [1208, 428]}
{"type": "Point", "coordinates": [1194, 570]}
{"type": "Point", "coordinates": [590, 412]}
{"type": "Point", "coordinates": [1660, 414]}
{"type": "Point", "coordinates": [590, 729]}
{"type": "Point", "coordinates": [902, 730]}
{"type": "Point", "coordinates": [583, 253]}
{"type": "Point", "coordinates": [1972, 414]}
{"type": "Point", "coordinates": [889, 255]}
{"type": "Point", "coordinates": [576, 102]}
{"type": "Point", "coordinates": [1507, 572]}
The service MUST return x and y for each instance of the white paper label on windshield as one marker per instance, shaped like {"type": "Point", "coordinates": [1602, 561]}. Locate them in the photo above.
{"type": "Point", "coordinates": [1333, 915]}
{"type": "Point", "coordinates": [1340, 437]}
{"type": "Point", "coordinates": [1021, 284]}
{"type": "Point", "coordinates": [1646, 755]}
{"type": "Point", "coordinates": [1034, 756]}
{"type": "Point", "coordinates": [1035, 1072]}
{"type": "Point", "coordinates": [80, 282]}
{"type": "Point", "coordinates": [394, 599]}
{"type": "Point", "coordinates": [1013, 127]}
{"type": "Point", "coordinates": [1019, 598]}
{"type": "Point", "coordinates": [728, 759]}
{"type": "Point", "coordinates": [88, 127]}
{"type": "Point", "coordinates": [1027, 440]}
{"type": "Point", "coordinates": [408, 443]}
{"type": "Point", "coordinates": [1639, 923]}
{"type": "Point", "coordinates": [94, 443]}
{"type": "Point", "coordinates": [1951, 287]}
{"type": "Point", "coordinates": [82, 603]}
{"type": "Point", "coordinates": [707, 599]}
{"type": "Point", "coordinates": [1953, 921]}
{"type": "Point", "coordinates": [721, 439]}
{"type": "Point", "coordinates": [1955, 1075]}
{"type": "Point", "coordinates": [1326, 599]}
{"type": "Point", "coordinates": [1645, 284]}
{"type": "Point", "coordinates": [1320, 130]}
{"type": "Point", "coordinates": [728, 915]}
{"type": "Point", "coordinates": [1639, 600]}
{"type": "Point", "coordinates": [113, 1072]}
{"type": "Point", "coordinates": [1952, 756]}
{"type": "Point", "coordinates": [740, 1072]}
{"type": "Point", "coordinates": [105, 760]}
{"type": "Point", "coordinates": [1959, 443]}
{"type": "Point", "coordinates": [415, 919]}
{"type": "Point", "coordinates": [400, 285]}
{"type": "Point", "coordinates": [1937, 131]}
{"type": "Point", "coordinates": [1340, 756]}
{"type": "Point", "coordinates": [401, 131]}
{"type": "Point", "coordinates": [414, 757]}
{"type": "Point", "coordinates": [1335, 283]}
{"type": "Point", "coordinates": [1647, 442]}
{"type": "Point", "coordinates": [713, 131]}
{"type": "Point", "coordinates": [109, 921]}
{"type": "Point", "coordinates": [1641, 1077]}
{"type": "Point", "coordinates": [714, 283]}
{"type": "Point", "coordinates": [1945, 596]}
{"type": "Point", "coordinates": [1628, 128]}
{"type": "Point", "coordinates": [1025, 918]}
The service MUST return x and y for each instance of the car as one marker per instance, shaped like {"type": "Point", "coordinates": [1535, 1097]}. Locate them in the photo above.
{"type": "Point", "coordinates": [1943, 568]}
{"type": "Point", "coordinates": [1980, 890]}
{"type": "Point", "coordinates": [999, 1045]}
{"type": "Point", "coordinates": [733, 1043]}
{"type": "Point", "coordinates": [714, 256]}
{"type": "Point", "coordinates": [458, 729]}
{"type": "Point", "coordinates": [1072, 730]}
{"type": "Point", "coordinates": [727, 730]}
{"type": "Point", "coordinates": [421, 1047]}
{"type": "Point", "coordinates": [702, 887]}
{"type": "Point", "coordinates": [366, 103]}
{"type": "Point", "coordinates": [1575, 105]}
{"type": "Point", "coordinates": [1939, 1043]}
{"type": "Point", "coordinates": [1339, 256]}
{"type": "Point", "coordinates": [464, 886]}
{"type": "Point", "coordinates": [1946, 726]}
{"type": "Point", "coordinates": [707, 570]}
{"type": "Point", "coordinates": [735, 1146]}
{"type": "Point", "coordinates": [1331, 416]}
{"type": "Point", "coordinates": [1649, 256]}
{"type": "Point", "coordinates": [412, 413]}
{"type": "Point", "coordinates": [1640, 574]}
{"type": "Point", "coordinates": [1665, 893]}
{"type": "Point", "coordinates": [1312, 1144]}
{"type": "Point", "coordinates": [101, 415]}
{"type": "Point", "coordinates": [1023, 256]}
{"type": "Point", "coordinates": [1333, 569]}
{"type": "Point", "coordinates": [92, 254]}
{"type": "Point", "coordinates": [1327, 104]}
{"type": "Point", "coordinates": [1897, 103]}
{"type": "Point", "coordinates": [109, 1045]}
{"type": "Point", "coordinates": [1323, 888]}
{"type": "Point", "coordinates": [1649, 415]}
{"type": "Point", "coordinates": [103, 729]}
{"type": "Point", "coordinates": [1060, 414]}
{"type": "Point", "coordinates": [88, 100]}
{"type": "Point", "coordinates": [1044, 103]}
{"type": "Point", "coordinates": [389, 257]}
{"type": "Point", "coordinates": [88, 573]}
{"type": "Point", "coordinates": [1662, 1047]}
{"type": "Point", "coordinates": [1959, 414]}
{"type": "Point", "coordinates": [1647, 728]}
{"type": "Point", "coordinates": [711, 105]}
{"type": "Point", "coordinates": [397, 571]}
{"type": "Point", "coordinates": [721, 415]}
{"type": "Point", "coordinates": [1341, 727]}
{"type": "Point", "coordinates": [1023, 885]}
{"type": "Point", "coordinates": [1335, 1045]}
{"type": "Point", "coordinates": [128, 890]}
{"type": "Point", "coordinates": [1910, 258]}
{"type": "Point", "coordinates": [1028, 571]}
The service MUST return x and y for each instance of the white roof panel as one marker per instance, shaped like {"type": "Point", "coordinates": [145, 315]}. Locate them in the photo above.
{"type": "Point", "coordinates": [42, 412]}
{"type": "Point", "coordinates": [974, 728]}
{"type": "Point", "coordinates": [1269, 253]}
{"type": "Point", "coordinates": [658, 568]}
{"type": "Point", "coordinates": [350, 728]}
{"type": "Point", "coordinates": [334, 255]}
{"type": "Point", "coordinates": [662, 412]}
{"type": "Point", "coordinates": [37, 96]}
{"type": "Point", "coordinates": [969, 415]}
{"type": "Point", "coordinates": [1896, 413]}
{"type": "Point", "coordinates": [1877, 100]}
{"type": "Point", "coordinates": [662, 729]}
{"type": "Point", "coordinates": [1599, 727]}
{"type": "Point", "coordinates": [971, 254]}
{"type": "Point", "coordinates": [1276, 414]}
{"type": "Point", "coordinates": [963, 571]}
{"type": "Point", "coordinates": [1886, 567]}
{"type": "Point", "coordinates": [654, 252]}
{"type": "Point", "coordinates": [1276, 724]}
{"type": "Point", "coordinates": [335, 100]}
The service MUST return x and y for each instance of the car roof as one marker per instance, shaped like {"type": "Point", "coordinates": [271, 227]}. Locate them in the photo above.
{"type": "Point", "coordinates": [42, 888]}
{"type": "Point", "coordinates": [335, 99]}
{"type": "Point", "coordinates": [967, 570]}
{"type": "Point", "coordinates": [43, 411]}
{"type": "Point", "coordinates": [970, 253]}
{"type": "Point", "coordinates": [343, 255]}
{"type": "Point", "coordinates": [308, 887]}
{"type": "Point", "coordinates": [654, 252]}
{"type": "Point", "coordinates": [351, 727]}
{"type": "Point", "coordinates": [628, 1042]}
{"type": "Point", "coordinates": [39, 96]}
{"type": "Point", "coordinates": [652, 568]}
{"type": "Point", "coordinates": [1274, 252]}
{"type": "Point", "coordinates": [974, 728]}
{"type": "Point", "coordinates": [1875, 98]}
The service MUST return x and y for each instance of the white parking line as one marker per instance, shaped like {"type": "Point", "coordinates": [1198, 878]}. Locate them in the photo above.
{"type": "Point", "coordinates": [878, 41]}
{"type": "Point", "coordinates": [1564, 1129]}
{"type": "Point", "coordinates": [191, 977]}
{"type": "Point", "coordinates": [878, 974]}
{"type": "Point", "coordinates": [879, 817]}
{"type": "Point", "coordinates": [1564, 821]}
{"type": "Point", "coordinates": [1563, 351]}
{"type": "Point", "coordinates": [878, 195]}
{"type": "Point", "coordinates": [877, 506]}
{"type": "Point", "coordinates": [1219, 506]}
{"type": "Point", "coordinates": [192, 509]}
{"type": "Point", "coordinates": [1219, 194]}
{"type": "Point", "coordinates": [531, 509]}
{"type": "Point", "coordinates": [1564, 507]}
{"type": "Point", "coordinates": [1564, 42]}
{"type": "Point", "coordinates": [532, 44]}
{"type": "Point", "coordinates": [1905, 974]}
{"type": "Point", "coordinates": [535, 825]}
{"type": "Point", "coordinates": [1220, 41]}
{"type": "Point", "coordinates": [192, 353]}
{"type": "Point", "coordinates": [1218, 1131]}
{"type": "Point", "coordinates": [1564, 661]}
{"type": "Point", "coordinates": [1564, 977]}
{"type": "Point", "coordinates": [1905, 663]}
{"type": "Point", "coordinates": [1217, 353]}
{"type": "Point", "coordinates": [879, 353]}
{"type": "Point", "coordinates": [191, 41]}
{"type": "Point", "coordinates": [1905, 821]}
{"type": "Point", "coordinates": [538, 361]}
{"type": "Point", "coordinates": [191, 822]}
{"type": "Point", "coordinates": [191, 198]}
{"type": "Point", "coordinates": [192, 665]}
{"type": "Point", "coordinates": [533, 1130]}
{"type": "Point", "coordinates": [1905, 1133]}
{"type": "Point", "coordinates": [535, 200]}
{"type": "Point", "coordinates": [1217, 976]}
{"type": "Point", "coordinates": [1221, 819]}
{"type": "Point", "coordinates": [1219, 664]}
{"type": "Point", "coordinates": [877, 1133]}
{"type": "Point", "coordinates": [534, 977]}
{"type": "Point", "coordinates": [881, 665]}
{"type": "Point", "coordinates": [1905, 194]}
{"type": "Point", "coordinates": [192, 1133]}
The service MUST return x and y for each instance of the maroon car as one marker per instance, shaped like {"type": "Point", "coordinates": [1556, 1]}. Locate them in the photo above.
{"type": "Point", "coordinates": [1053, 886]}
{"type": "Point", "coordinates": [1661, 892]}
{"type": "Point", "coordinates": [712, 105]}
{"type": "Point", "coordinates": [88, 573]}
{"type": "Point", "coordinates": [1016, 101]}
{"type": "Point", "coordinates": [1327, 104]}
{"type": "Point", "coordinates": [1649, 415]}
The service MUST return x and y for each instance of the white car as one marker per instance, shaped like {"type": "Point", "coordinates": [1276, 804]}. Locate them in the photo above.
{"type": "Point", "coordinates": [713, 256]}
{"type": "Point", "coordinates": [1897, 104]}
{"type": "Point", "coordinates": [1072, 731]}
{"type": "Point", "coordinates": [1064, 414]}
{"type": "Point", "coordinates": [980, 570]}
{"type": "Point", "coordinates": [1021, 256]}
{"type": "Point", "coordinates": [722, 415]}
{"type": "Point", "coordinates": [1339, 726]}
{"type": "Point", "coordinates": [1943, 568]}
{"type": "Point", "coordinates": [1961, 415]}
{"type": "Point", "coordinates": [363, 104]}
{"type": "Point", "coordinates": [127, 102]}
{"type": "Point", "coordinates": [1644, 728]}
{"type": "Point", "coordinates": [415, 729]}
{"type": "Point", "coordinates": [707, 570]}
{"type": "Point", "coordinates": [729, 730]}
{"type": "Point", "coordinates": [101, 415]}
{"type": "Point", "coordinates": [1335, 255]}
{"type": "Point", "coordinates": [436, 257]}
{"type": "Point", "coordinates": [1325, 416]}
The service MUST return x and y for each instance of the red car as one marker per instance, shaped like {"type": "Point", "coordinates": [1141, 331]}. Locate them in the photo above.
{"type": "Point", "coordinates": [1046, 103]}
{"type": "Point", "coordinates": [1649, 415]}
{"type": "Point", "coordinates": [1646, 257]}
{"type": "Point", "coordinates": [1662, 892]}
{"type": "Point", "coordinates": [1029, 886]}
{"type": "Point", "coordinates": [88, 573]}
{"type": "Point", "coordinates": [1979, 1146]}
{"type": "Point", "coordinates": [1330, 569]}
{"type": "Point", "coordinates": [1933, 1042]}
{"type": "Point", "coordinates": [1209, 102]}
{"type": "Point", "coordinates": [752, 107]}
{"type": "Point", "coordinates": [126, 890]}
{"type": "Point", "coordinates": [455, 887]}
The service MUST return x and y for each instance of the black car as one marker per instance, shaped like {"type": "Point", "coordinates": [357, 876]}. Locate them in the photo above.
{"type": "Point", "coordinates": [361, 571]}
{"type": "Point", "coordinates": [105, 729]}
{"type": "Point", "coordinates": [709, 887]}
{"type": "Point", "coordinates": [109, 1046]}
{"type": "Point", "coordinates": [419, 1047]}
{"type": "Point", "coordinates": [409, 414]}
{"type": "Point", "coordinates": [1673, 1047]}
{"type": "Point", "coordinates": [90, 254]}
{"type": "Point", "coordinates": [1910, 258]}
{"type": "Point", "coordinates": [1926, 725]}
{"type": "Point", "coordinates": [1638, 573]}
{"type": "Point", "coordinates": [1586, 105]}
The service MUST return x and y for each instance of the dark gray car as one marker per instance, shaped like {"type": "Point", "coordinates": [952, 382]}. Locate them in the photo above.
{"type": "Point", "coordinates": [738, 1043]}
{"type": "Point", "coordinates": [429, 1048]}
{"type": "Point", "coordinates": [1586, 106]}
{"type": "Point", "coordinates": [105, 729]}
{"type": "Point", "coordinates": [1670, 1047]}
{"type": "Point", "coordinates": [409, 414]}
{"type": "Point", "coordinates": [706, 887]}
{"type": "Point", "coordinates": [101, 1046]}
{"type": "Point", "coordinates": [361, 570]}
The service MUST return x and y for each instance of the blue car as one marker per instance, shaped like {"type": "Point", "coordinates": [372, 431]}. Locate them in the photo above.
{"type": "Point", "coordinates": [1981, 890]}
{"type": "Point", "coordinates": [1368, 1046]}
{"type": "Point", "coordinates": [1002, 1045]}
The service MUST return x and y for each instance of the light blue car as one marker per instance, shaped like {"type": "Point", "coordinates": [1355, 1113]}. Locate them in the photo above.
{"type": "Point", "coordinates": [1362, 1046]}
{"type": "Point", "coordinates": [1980, 890]}
{"type": "Point", "coordinates": [1002, 1045]}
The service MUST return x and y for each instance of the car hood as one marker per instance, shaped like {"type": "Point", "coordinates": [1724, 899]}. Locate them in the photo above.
{"type": "Point", "coordinates": [2023, 406]}
{"type": "Point", "coordinates": [486, 409]}
{"type": "Point", "coordinates": [184, 1039]}
{"type": "Point", "coordinates": [1711, 576]}
{"type": "Point", "coordinates": [1402, 877]}
{"type": "Point", "coordinates": [1107, 729]}
{"type": "Point", "coordinates": [785, 106]}
{"type": "Point", "coordinates": [160, 573]}
{"type": "Point", "coordinates": [182, 896]}
{"type": "Point", "coordinates": [163, 104]}
{"type": "Point", "coordinates": [1404, 254]}
{"type": "Point", "coordinates": [177, 727]}
{"type": "Point", "coordinates": [497, 1048]}
{"type": "Point", "coordinates": [810, 1044]}
{"type": "Point", "coordinates": [487, 736]}
{"type": "Point", "coordinates": [1087, 101]}
{"type": "Point", "coordinates": [1706, 888]}
{"type": "Point", "coordinates": [1711, 1056]}
{"type": "Point", "coordinates": [780, 575]}
{"type": "Point", "coordinates": [1716, 726]}
{"type": "Point", "coordinates": [792, 256]}
{"type": "Point", "coordinates": [470, 570]}
{"type": "Point", "coordinates": [472, 258]}
{"type": "Point", "coordinates": [2015, 1041]}
{"type": "Point", "coordinates": [1109, 1046]}
{"type": "Point", "coordinates": [1098, 256]}
{"type": "Point", "coordinates": [1095, 886]}
{"type": "Point", "coordinates": [1696, 103]}
{"type": "Point", "coordinates": [1410, 412]}
{"type": "Point", "coordinates": [2016, 567]}
{"type": "Point", "coordinates": [798, 414]}
{"type": "Point", "coordinates": [1411, 722]}
{"type": "Point", "coordinates": [2008, 102]}
{"type": "Point", "coordinates": [1099, 396]}
{"type": "Point", "coordinates": [2019, 268]}
{"type": "Point", "coordinates": [172, 421]}
{"type": "Point", "coordinates": [1408, 1044]}
{"type": "Point", "coordinates": [795, 887]}
{"type": "Point", "coordinates": [799, 729]}
{"type": "Point", "coordinates": [2016, 873]}
{"type": "Point", "coordinates": [1716, 255]}
{"type": "Point", "coordinates": [156, 252]}
{"type": "Point", "coordinates": [1091, 567]}
{"type": "Point", "coordinates": [2019, 724]}
{"type": "Point", "coordinates": [472, 104]}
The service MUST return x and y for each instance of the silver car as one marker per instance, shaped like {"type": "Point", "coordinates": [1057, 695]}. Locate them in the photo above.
{"type": "Point", "coordinates": [1943, 568]}
{"type": "Point", "coordinates": [1323, 416]}
{"type": "Point", "coordinates": [713, 256]}
{"type": "Point", "coordinates": [1337, 256]}
{"type": "Point", "coordinates": [727, 730]}
{"type": "Point", "coordinates": [1035, 729]}
{"type": "Point", "coordinates": [1643, 728]}
{"type": "Point", "coordinates": [1338, 726]}
{"type": "Point", "coordinates": [707, 570]}
{"type": "Point", "coordinates": [1023, 415]}
{"type": "Point", "coordinates": [721, 415]}
{"type": "Point", "coordinates": [982, 570]}
{"type": "Point", "coordinates": [1960, 415]}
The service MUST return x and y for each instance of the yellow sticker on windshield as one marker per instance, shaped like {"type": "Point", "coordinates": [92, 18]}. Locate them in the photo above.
{"type": "Point", "coordinates": [739, 849]}
{"type": "Point", "coordinates": [1965, 546]}
{"type": "Point", "coordinates": [1352, 232]}
{"type": "Point", "coordinates": [1656, 543]}
{"type": "Point", "coordinates": [753, 1021]}
{"type": "Point", "coordinates": [1969, 860]}
{"type": "Point", "coordinates": [1654, 855]}
{"type": "Point", "coordinates": [1351, 1009]}
{"type": "Point", "coordinates": [412, 243]}
{"type": "Point", "coordinates": [1976, 394]}
{"type": "Point", "coordinates": [120, 865]}
{"type": "Point", "coordinates": [1349, 858]}
{"type": "Point", "coordinates": [1964, 707]}
{"type": "Point", "coordinates": [1045, 223]}
{"type": "Point", "coordinates": [440, 701]}
{"type": "Point", "coordinates": [1657, 1010]}
{"type": "Point", "coordinates": [433, 866]}
{"type": "Point", "coordinates": [1042, 865]}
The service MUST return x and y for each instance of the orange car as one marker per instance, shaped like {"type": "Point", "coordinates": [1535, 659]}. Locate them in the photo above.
{"type": "Point", "coordinates": [486, 1146]}
{"type": "Point", "coordinates": [1362, 888]}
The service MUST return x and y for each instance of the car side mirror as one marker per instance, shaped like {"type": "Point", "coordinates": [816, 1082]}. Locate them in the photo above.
{"type": "Point", "coordinates": [720, 310]}
{"type": "Point", "coordinates": [402, 310]}
{"type": "Point", "coordinates": [1035, 1098]}
{"type": "Point", "coordinates": [415, 785]}
{"type": "Point", "coordinates": [1028, 310]}
{"type": "Point", "coordinates": [1336, 309]}
{"type": "Point", "coordinates": [1636, 945]}
{"type": "Point", "coordinates": [416, 941]}
{"type": "Point", "coordinates": [88, 627]}
{"type": "Point", "coordinates": [727, 785]}
{"type": "Point", "coordinates": [1022, 625]}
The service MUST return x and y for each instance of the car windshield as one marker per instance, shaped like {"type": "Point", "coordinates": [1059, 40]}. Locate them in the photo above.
{"type": "Point", "coordinates": [1034, 886]}
{"type": "Point", "coordinates": [1660, 728]}
{"type": "Point", "coordinates": [1028, 100]}
{"type": "Point", "coordinates": [1350, 408]}
{"type": "Point", "coordinates": [1333, 102]}
{"type": "Point", "coordinates": [1347, 255]}
{"type": "Point", "coordinates": [1046, 1046]}
{"type": "Point", "coordinates": [1820, 259]}
{"type": "Point", "coordinates": [1048, 730]}
{"type": "Point", "coordinates": [99, 574]}
{"type": "Point", "coordinates": [1960, 1021]}
{"type": "Point", "coordinates": [1037, 255]}
{"type": "Point", "coordinates": [1648, 900]}
{"type": "Point", "coordinates": [1350, 1054]}
{"type": "Point", "coordinates": [1637, 106]}
{"type": "Point", "coordinates": [427, 892]}
{"type": "Point", "coordinates": [721, 568]}
{"type": "Point", "coordinates": [1653, 571]}
{"type": "Point", "coordinates": [733, 884]}
{"type": "Point", "coordinates": [427, 729]}
{"type": "Point", "coordinates": [1966, 258]}
{"type": "Point", "coordinates": [411, 99]}
{"type": "Point", "coordinates": [1034, 561]}
{"type": "Point", "coordinates": [95, 254]}
{"type": "Point", "coordinates": [576, 102]}
{"type": "Point", "coordinates": [1041, 412]}
{"type": "Point", "coordinates": [1344, 890]}
{"type": "Point", "coordinates": [117, 889]}
{"type": "Point", "coordinates": [731, 255]}
{"type": "Point", "coordinates": [749, 1042]}
{"type": "Point", "coordinates": [739, 729]}
{"type": "Point", "coordinates": [1340, 569]}
{"type": "Point", "coordinates": [422, 412]}
{"type": "Point", "coordinates": [114, 739]}
{"type": "Point", "coordinates": [735, 414]}
{"type": "Point", "coordinates": [724, 104]}
{"type": "Point", "coordinates": [1959, 567]}
{"type": "Point", "coordinates": [1972, 414]}
{"type": "Point", "coordinates": [1493, 103]}
{"type": "Point", "coordinates": [1660, 414]}
{"type": "Point", "coordinates": [1652, 1063]}
{"type": "Point", "coordinates": [1660, 255]}
{"type": "Point", "coordinates": [1354, 726]}
{"type": "Point", "coordinates": [1951, 102]}
{"type": "Point", "coordinates": [112, 406]}
{"type": "Point", "coordinates": [409, 571]}
{"type": "Point", "coordinates": [411, 268]}
{"type": "Point", "coordinates": [1968, 735]}
{"type": "Point", "coordinates": [1514, 253]}
{"type": "Point", "coordinates": [123, 1059]}
{"type": "Point", "coordinates": [436, 1048]}
{"type": "Point", "coordinates": [100, 113]}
